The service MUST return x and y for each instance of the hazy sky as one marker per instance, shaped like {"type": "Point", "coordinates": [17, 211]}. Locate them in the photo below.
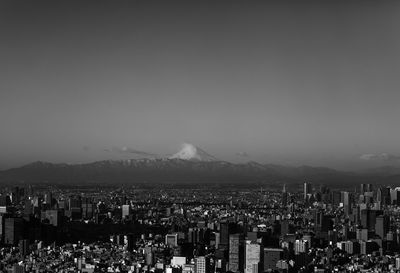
{"type": "Point", "coordinates": [279, 82]}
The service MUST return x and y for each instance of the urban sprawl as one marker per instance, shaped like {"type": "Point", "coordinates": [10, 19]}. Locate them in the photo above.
{"type": "Point", "coordinates": [183, 229]}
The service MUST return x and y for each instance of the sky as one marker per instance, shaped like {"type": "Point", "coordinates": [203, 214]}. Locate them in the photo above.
{"type": "Point", "coordinates": [295, 83]}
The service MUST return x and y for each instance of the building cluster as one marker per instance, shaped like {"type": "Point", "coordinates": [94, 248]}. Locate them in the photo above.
{"type": "Point", "coordinates": [200, 230]}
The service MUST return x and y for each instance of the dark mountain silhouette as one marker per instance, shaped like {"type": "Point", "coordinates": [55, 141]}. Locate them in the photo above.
{"type": "Point", "coordinates": [385, 171]}
{"type": "Point", "coordinates": [184, 171]}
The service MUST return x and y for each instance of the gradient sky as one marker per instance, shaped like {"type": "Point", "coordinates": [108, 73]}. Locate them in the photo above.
{"type": "Point", "coordinates": [280, 82]}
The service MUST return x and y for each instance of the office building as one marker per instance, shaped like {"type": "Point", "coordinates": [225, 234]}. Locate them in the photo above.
{"type": "Point", "coordinates": [126, 211]}
{"type": "Point", "coordinates": [382, 226]}
{"type": "Point", "coordinates": [301, 246]}
{"type": "Point", "coordinates": [253, 257]}
{"type": "Point", "coordinates": [383, 196]}
{"type": "Point", "coordinates": [224, 234]}
{"type": "Point", "coordinates": [13, 230]}
{"type": "Point", "coordinates": [202, 264]}
{"type": "Point", "coordinates": [235, 252]}
{"type": "Point", "coordinates": [271, 258]}
{"type": "Point", "coordinates": [368, 219]}
{"type": "Point", "coordinates": [284, 196]}
{"type": "Point", "coordinates": [171, 240]}
{"type": "Point", "coordinates": [54, 217]}
{"type": "Point", "coordinates": [306, 189]}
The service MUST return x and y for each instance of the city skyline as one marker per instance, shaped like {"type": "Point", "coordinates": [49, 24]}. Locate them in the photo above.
{"type": "Point", "coordinates": [286, 83]}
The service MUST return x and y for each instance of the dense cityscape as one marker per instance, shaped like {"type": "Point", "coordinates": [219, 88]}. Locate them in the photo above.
{"type": "Point", "coordinates": [199, 136]}
{"type": "Point", "coordinates": [187, 229]}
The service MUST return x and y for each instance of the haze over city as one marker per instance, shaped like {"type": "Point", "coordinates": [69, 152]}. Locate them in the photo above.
{"type": "Point", "coordinates": [199, 137]}
{"type": "Point", "coordinates": [299, 84]}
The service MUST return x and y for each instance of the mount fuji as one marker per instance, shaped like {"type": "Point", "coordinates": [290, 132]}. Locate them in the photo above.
{"type": "Point", "coordinates": [191, 152]}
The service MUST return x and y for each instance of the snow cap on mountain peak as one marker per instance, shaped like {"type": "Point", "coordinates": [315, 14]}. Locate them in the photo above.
{"type": "Point", "coordinates": [190, 152]}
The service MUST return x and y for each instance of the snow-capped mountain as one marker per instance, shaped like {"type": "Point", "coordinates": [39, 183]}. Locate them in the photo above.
{"type": "Point", "coordinates": [191, 152]}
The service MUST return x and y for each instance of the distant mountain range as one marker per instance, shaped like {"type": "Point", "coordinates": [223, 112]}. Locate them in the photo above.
{"type": "Point", "coordinates": [192, 170]}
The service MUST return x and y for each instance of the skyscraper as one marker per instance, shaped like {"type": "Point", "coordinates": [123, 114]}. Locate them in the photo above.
{"type": "Point", "coordinates": [284, 196]}
{"type": "Point", "coordinates": [383, 195]}
{"type": "Point", "coordinates": [202, 264]}
{"type": "Point", "coordinates": [224, 234]}
{"type": "Point", "coordinates": [23, 246]}
{"type": "Point", "coordinates": [285, 226]}
{"type": "Point", "coordinates": [13, 230]}
{"type": "Point", "coordinates": [253, 257]}
{"type": "Point", "coordinates": [362, 188]}
{"type": "Point", "coordinates": [335, 198]}
{"type": "Point", "coordinates": [271, 258]}
{"type": "Point", "coordinates": [382, 225]}
{"type": "Point", "coordinates": [171, 240]}
{"type": "Point", "coordinates": [5, 202]}
{"type": "Point", "coordinates": [301, 246]}
{"type": "Point", "coordinates": [235, 252]}
{"type": "Point", "coordinates": [347, 200]}
{"type": "Point", "coordinates": [368, 219]}
{"type": "Point", "coordinates": [307, 190]}
{"type": "Point", "coordinates": [88, 208]}
{"type": "Point", "coordinates": [53, 216]}
{"type": "Point", "coordinates": [48, 198]}
{"type": "Point", "coordinates": [126, 211]}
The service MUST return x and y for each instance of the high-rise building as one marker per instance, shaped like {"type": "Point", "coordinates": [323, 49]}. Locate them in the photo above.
{"type": "Point", "coordinates": [397, 201]}
{"type": "Point", "coordinates": [235, 252]}
{"type": "Point", "coordinates": [285, 227]}
{"type": "Point", "coordinates": [382, 225]}
{"type": "Point", "coordinates": [253, 257]}
{"type": "Point", "coordinates": [352, 247]}
{"type": "Point", "coordinates": [284, 196]}
{"type": "Point", "coordinates": [368, 219]}
{"type": "Point", "coordinates": [307, 190]}
{"type": "Point", "coordinates": [224, 234]}
{"type": "Point", "coordinates": [126, 211]}
{"type": "Point", "coordinates": [5, 202]}
{"type": "Point", "coordinates": [363, 188]}
{"type": "Point", "coordinates": [193, 236]}
{"type": "Point", "coordinates": [301, 246]}
{"type": "Point", "coordinates": [383, 196]}
{"type": "Point", "coordinates": [28, 209]}
{"type": "Point", "coordinates": [347, 200]}
{"type": "Point", "coordinates": [367, 247]}
{"type": "Point", "coordinates": [178, 261]}
{"type": "Point", "coordinates": [148, 251]}
{"type": "Point", "coordinates": [217, 239]}
{"type": "Point", "coordinates": [130, 241]}
{"type": "Point", "coordinates": [398, 263]}
{"type": "Point", "coordinates": [188, 268]}
{"type": "Point", "coordinates": [171, 240]}
{"type": "Point", "coordinates": [394, 196]}
{"type": "Point", "coordinates": [88, 208]}
{"type": "Point", "coordinates": [53, 216]}
{"type": "Point", "coordinates": [220, 265]}
{"type": "Point", "coordinates": [202, 264]}
{"type": "Point", "coordinates": [13, 230]}
{"type": "Point", "coordinates": [2, 226]}
{"type": "Point", "coordinates": [23, 247]}
{"type": "Point", "coordinates": [16, 194]}
{"type": "Point", "coordinates": [271, 258]}
{"type": "Point", "coordinates": [362, 234]}
{"type": "Point", "coordinates": [335, 198]}
{"type": "Point", "coordinates": [323, 223]}
{"type": "Point", "coordinates": [75, 207]}
{"type": "Point", "coordinates": [48, 198]}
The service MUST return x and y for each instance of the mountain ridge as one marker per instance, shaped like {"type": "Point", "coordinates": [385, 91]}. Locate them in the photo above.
{"type": "Point", "coordinates": [170, 170]}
